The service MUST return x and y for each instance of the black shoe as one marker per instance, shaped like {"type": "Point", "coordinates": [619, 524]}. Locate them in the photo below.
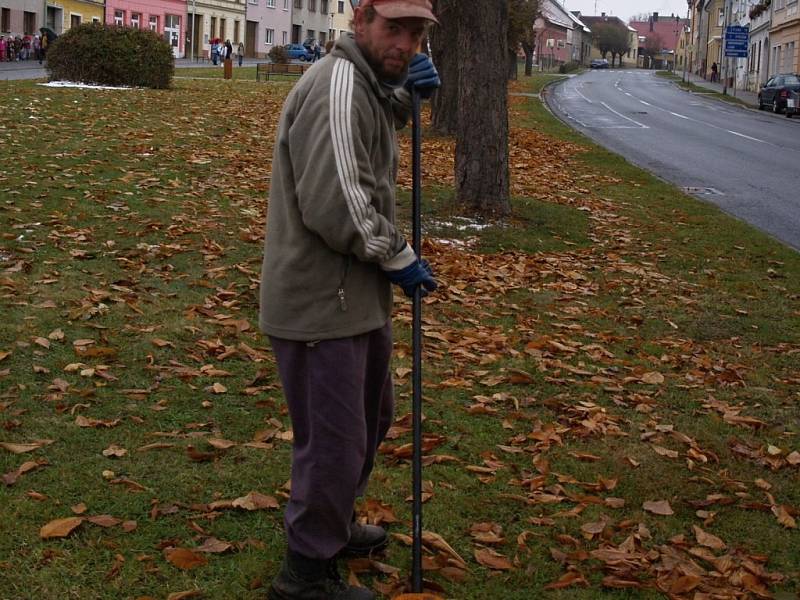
{"type": "Point", "coordinates": [303, 578]}
{"type": "Point", "coordinates": [365, 539]}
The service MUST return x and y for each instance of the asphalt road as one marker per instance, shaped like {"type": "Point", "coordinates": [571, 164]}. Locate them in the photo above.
{"type": "Point", "coordinates": [744, 161]}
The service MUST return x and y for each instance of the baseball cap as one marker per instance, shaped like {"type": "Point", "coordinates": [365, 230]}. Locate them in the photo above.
{"type": "Point", "coordinates": [399, 9]}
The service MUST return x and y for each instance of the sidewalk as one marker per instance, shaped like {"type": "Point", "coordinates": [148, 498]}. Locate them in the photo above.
{"type": "Point", "coordinates": [749, 98]}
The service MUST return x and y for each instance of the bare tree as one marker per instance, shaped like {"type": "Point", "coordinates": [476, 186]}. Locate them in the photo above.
{"type": "Point", "coordinates": [611, 39]}
{"type": "Point", "coordinates": [482, 171]}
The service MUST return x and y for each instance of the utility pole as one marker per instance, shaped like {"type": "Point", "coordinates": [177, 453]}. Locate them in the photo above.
{"type": "Point", "coordinates": [725, 59]}
{"type": "Point", "coordinates": [686, 39]}
{"type": "Point", "coordinates": [194, 18]}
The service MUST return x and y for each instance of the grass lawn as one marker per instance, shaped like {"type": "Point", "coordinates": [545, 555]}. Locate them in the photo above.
{"type": "Point", "coordinates": [611, 375]}
{"type": "Point", "coordinates": [692, 87]}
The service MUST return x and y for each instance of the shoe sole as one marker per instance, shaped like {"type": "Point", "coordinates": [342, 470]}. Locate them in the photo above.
{"type": "Point", "coordinates": [350, 551]}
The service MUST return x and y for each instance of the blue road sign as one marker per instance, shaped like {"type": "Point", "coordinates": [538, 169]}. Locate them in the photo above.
{"type": "Point", "coordinates": [737, 40]}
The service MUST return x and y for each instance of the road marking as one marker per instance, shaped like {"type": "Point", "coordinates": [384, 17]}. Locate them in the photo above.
{"type": "Point", "coordinates": [746, 136]}
{"type": "Point", "coordinates": [645, 103]}
{"type": "Point", "coordinates": [582, 96]}
{"type": "Point", "coordinates": [624, 117]}
{"type": "Point", "coordinates": [680, 116]}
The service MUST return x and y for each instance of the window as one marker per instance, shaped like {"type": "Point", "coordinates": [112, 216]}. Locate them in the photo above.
{"type": "Point", "coordinates": [298, 4]}
{"type": "Point", "coordinates": [95, 20]}
{"type": "Point", "coordinates": [285, 4]}
{"type": "Point", "coordinates": [285, 37]}
{"type": "Point", "coordinates": [721, 17]}
{"type": "Point", "coordinates": [153, 23]}
{"type": "Point", "coordinates": [341, 7]}
{"type": "Point", "coordinates": [5, 20]}
{"type": "Point", "coordinates": [223, 30]}
{"type": "Point", "coordinates": [74, 20]}
{"type": "Point", "coordinates": [213, 32]}
{"type": "Point", "coordinates": [236, 32]}
{"type": "Point", "coordinates": [29, 23]}
{"type": "Point", "coordinates": [269, 37]}
{"type": "Point", "coordinates": [119, 18]}
{"type": "Point", "coordinates": [135, 20]}
{"type": "Point", "coordinates": [311, 34]}
{"type": "Point", "coordinates": [270, 3]}
{"type": "Point", "coordinates": [323, 6]}
{"type": "Point", "coordinates": [312, 5]}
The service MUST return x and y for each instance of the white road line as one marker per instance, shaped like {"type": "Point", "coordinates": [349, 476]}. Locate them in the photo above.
{"type": "Point", "coordinates": [680, 116]}
{"type": "Point", "coordinates": [746, 136]}
{"type": "Point", "coordinates": [645, 103]}
{"type": "Point", "coordinates": [582, 96]}
{"type": "Point", "coordinates": [624, 117]}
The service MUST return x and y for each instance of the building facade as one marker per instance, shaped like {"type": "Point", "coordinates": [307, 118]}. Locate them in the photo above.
{"type": "Point", "coordinates": [20, 17]}
{"type": "Point", "coordinates": [784, 37]}
{"type": "Point", "coordinates": [342, 16]}
{"type": "Point", "coordinates": [311, 20]}
{"type": "Point", "coordinates": [664, 34]}
{"type": "Point", "coordinates": [269, 24]}
{"type": "Point", "coordinates": [758, 61]}
{"type": "Point", "coordinates": [211, 20]}
{"type": "Point", "coordinates": [165, 17]}
{"type": "Point", "coordinates": [61, 15]}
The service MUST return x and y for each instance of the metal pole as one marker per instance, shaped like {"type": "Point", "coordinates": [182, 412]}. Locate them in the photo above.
{"type": "Point", "coordinates": [686, 43]}
{"type": "Point", "coordinates": [728, 7]}
{"type": "Point", "coordinates": [416, 412]}
{"type": "Point", "coordinates": [194, 17]}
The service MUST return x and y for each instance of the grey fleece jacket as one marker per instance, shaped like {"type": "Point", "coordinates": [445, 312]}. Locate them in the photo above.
{"type": "Point", "coordinates": [331, 216]}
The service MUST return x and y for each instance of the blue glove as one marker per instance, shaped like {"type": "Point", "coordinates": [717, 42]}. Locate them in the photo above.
{"type": "Point", "coordinates": [416, 274]}
{"type": "Point", "coordinates": [422, 76]}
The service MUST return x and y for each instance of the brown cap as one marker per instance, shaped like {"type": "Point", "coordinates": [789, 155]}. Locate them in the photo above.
{"type": "Point", "coordinates": [399, 9]}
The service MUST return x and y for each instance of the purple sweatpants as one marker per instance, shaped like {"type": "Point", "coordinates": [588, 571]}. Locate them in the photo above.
{"type": "Point", "coordinates": [340, 399]}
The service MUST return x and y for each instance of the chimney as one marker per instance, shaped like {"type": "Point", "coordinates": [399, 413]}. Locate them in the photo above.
{"type": "Point", "coordinates": [603, 15]}
{"type": "Point", "coordinates": [655, 17]}
{"type": "Point", "coordinates": [651, 24]}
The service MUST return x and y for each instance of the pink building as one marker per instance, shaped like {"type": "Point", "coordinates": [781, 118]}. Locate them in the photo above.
{"type": "Point", "coordinates": [166, 17]}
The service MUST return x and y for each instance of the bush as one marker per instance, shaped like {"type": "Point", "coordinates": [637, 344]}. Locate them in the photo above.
{"type": "Point", "coordinates": [110, 55]}
{"type": "Point", "coordinates": [278, 54]}
{"type": "Point", "coordinates": [569, 67]}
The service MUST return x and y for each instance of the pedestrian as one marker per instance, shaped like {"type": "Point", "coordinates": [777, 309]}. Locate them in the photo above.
{"type": "Point", "coordinates": [214, 51]}
{"type": "Point", "coordinates": [331, 255]}
{"type": "Point", "coordinates": [317, 51]}
{"type": "Point", "coordinates": [228, 50]}
{"type": "Point", "coordinates": [714, 76]}
{"type": "Point", "coordinates": [37, 47]}
{"type": "Point", "coordinates": [2, 48]}
{"type": "Point", "coordinates": [240, 52]}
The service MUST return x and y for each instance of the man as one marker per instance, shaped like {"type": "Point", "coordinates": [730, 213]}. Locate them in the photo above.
{"type": "Point", "coordinates": [332, 251]}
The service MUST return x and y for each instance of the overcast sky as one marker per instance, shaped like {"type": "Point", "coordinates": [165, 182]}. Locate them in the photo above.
{"type": "Point", "coordinates": [624, 9]}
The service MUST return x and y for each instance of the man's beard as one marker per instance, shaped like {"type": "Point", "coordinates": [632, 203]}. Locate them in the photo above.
{"type": "Point", "coordinates": [384, 75]}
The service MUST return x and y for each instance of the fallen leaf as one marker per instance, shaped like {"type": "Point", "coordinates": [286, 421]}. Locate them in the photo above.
{"type": "Point", "coordinates": [653, 378]}
{"type": "Point", "coordinates": [659, 507]}
{"type": "Point", "coordinates": [493, 560]}
{"type": "Point", "coordinates": [214, 546]}
{"type": "Point", "coordinates": [185, 559]}
{"type": "Point", "coordinates": [255, 501]}
{"type": "Point", "coordinates": [708, 540]}
{"type": "Point", "coordinates": [60, 528]}
{"type": "Point", "coordinates": [114, 451]}
{"type": "Point", "coordinates": [24, 447]}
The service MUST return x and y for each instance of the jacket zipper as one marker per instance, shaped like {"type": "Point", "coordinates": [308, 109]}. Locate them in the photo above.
{"type": "Point", "coordinates": [340, 293]}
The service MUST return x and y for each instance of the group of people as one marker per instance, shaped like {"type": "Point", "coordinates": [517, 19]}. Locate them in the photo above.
{"type": "Point", "coordinates": [16, 48]}
{"type": "Point", "coordinates": [25, 47]}
{"type": "Point", "coordinates": [221, 51]}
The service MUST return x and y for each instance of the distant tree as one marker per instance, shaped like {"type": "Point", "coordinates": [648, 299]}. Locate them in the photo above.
{"type": "Point", "coordinates": [640, 17]}
{"type": "Point", "coordinates": [652, 48]}
{"type": "Point", "coordinates": [611, 38]}
{"type": "Point", "coordinates": [521, 16]}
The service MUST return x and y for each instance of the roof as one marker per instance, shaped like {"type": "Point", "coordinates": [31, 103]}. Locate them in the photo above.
{"type": "Point", "coordinates": [578, 23]}
{"type": "Point", "coordinates": [667, 28]}
{"type": "Point", "coordinates": [593, 21]}
{"type": "Point", "coordinates": [556, 14]}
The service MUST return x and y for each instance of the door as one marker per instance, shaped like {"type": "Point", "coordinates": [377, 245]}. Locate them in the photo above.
{"type": "Point", "coordinates": [250, 39]}
{"type": "Point", "coordinates": [172, 33]}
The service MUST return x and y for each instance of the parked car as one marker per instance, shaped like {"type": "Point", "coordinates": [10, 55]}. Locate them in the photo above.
{"type": "Point", "coordinates": [598, 63]}
{"type": "Point", "coordinates": [299, 51]}
{"type": "Point", "coordinates": [775, 92]}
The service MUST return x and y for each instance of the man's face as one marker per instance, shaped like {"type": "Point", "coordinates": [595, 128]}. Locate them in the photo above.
{"type": "Point", "coordinates": [389, 44]}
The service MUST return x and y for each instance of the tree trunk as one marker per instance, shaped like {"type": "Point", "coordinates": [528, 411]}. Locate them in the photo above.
{"type": "Point", "coordinates": [482, 172]}
{"type": "Point", "coordinates": [512, 66]}
{"type": "Point", "coordinates": [528, 48]}
{"type": "Point", "coordinates": [444, 48]}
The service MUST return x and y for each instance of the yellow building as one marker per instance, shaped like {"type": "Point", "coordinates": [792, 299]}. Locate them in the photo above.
{"type": "Point", "coordinates": [62, 15]}
{"type": "Point", "coordinates": [784, 37]}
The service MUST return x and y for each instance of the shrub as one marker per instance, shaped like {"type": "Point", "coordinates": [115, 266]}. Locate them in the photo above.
{"type": "Point", "coordinates": [278, 54]}
{"type": "Point", "coordinates": [111, 55]}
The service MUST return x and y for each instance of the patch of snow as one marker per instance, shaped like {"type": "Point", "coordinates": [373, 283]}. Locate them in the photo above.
{"type": "Point", "coordinates": [84, 86]}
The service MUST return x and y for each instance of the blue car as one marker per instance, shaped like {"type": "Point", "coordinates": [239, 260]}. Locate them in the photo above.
{"type": "Point", "coordinates": [299, 51]}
